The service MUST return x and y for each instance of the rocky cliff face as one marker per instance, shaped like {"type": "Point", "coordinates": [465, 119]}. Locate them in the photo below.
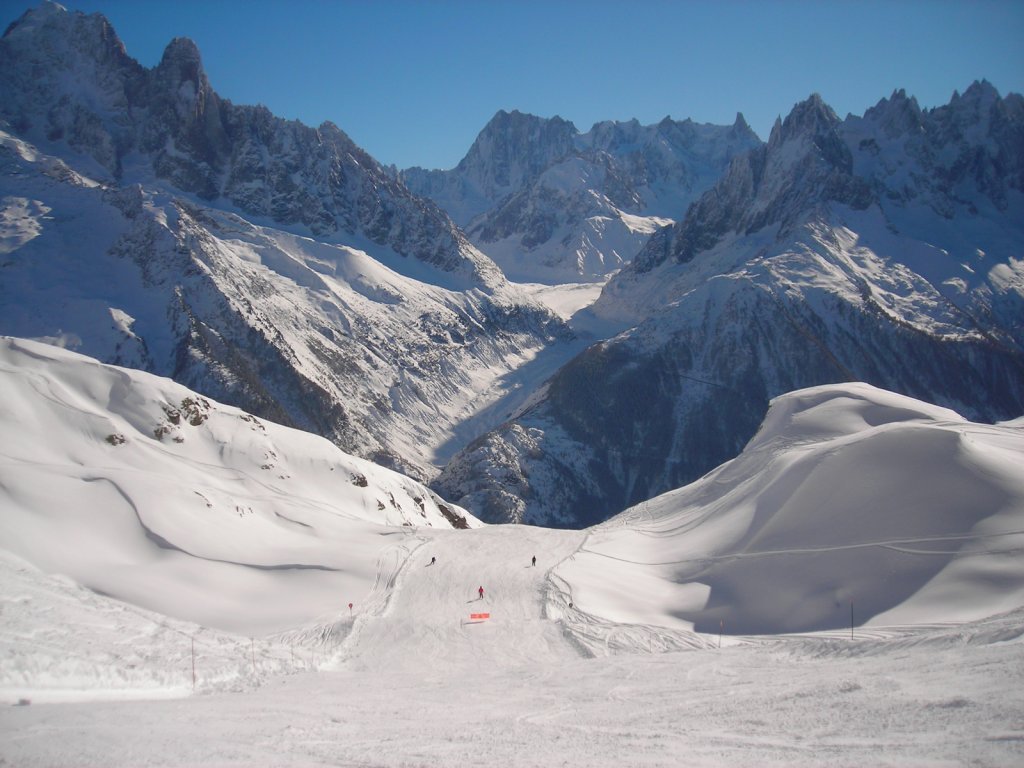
{"type": "Point", "coordinates": [879, 249]}
{"type": "Point", "coordinates": [512, 150]}
{"type": "Point", "coordinates": [804, 165]}
{"type": "Point", "coordinates": [550, 204]}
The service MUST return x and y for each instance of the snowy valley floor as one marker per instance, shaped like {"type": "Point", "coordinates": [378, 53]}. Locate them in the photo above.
{"type": "Point", "coordinates": [920, 699]}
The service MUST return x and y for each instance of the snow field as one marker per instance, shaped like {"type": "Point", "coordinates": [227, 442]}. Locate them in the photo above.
{"type": "Point", "coordinates": [246, 541]}
{"type": "Point", "coordinates": [62, 642]}
{"type": "Point", "coordinates": [797, 701]}
{"type": "Point", "coordinates": [221, 519]}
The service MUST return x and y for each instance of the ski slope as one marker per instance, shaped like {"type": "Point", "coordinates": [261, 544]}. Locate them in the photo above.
{"type": "Point", "coordinates": [432, 615]}
{"type": "Point", "coordinates": [172, 602]}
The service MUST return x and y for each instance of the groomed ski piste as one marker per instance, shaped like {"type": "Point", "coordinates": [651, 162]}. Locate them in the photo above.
{"type": "Point", "coordinates": [176, 577]}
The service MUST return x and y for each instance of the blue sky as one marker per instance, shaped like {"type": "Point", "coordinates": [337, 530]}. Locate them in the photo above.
{"type": "Point", "coordinates": [414, 82]}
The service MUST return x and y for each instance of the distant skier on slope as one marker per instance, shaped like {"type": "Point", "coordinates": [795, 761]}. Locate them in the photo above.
{"type": "Point", "coordinates": [433, 560]}
{"type": "Point", "coordinates": [481, 593]}
{"type": "Point", "coordinates": [534, 561]}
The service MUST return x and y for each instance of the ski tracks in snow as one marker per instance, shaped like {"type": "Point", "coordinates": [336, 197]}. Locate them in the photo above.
{"type": "Point", "coordinates": [391, 562]}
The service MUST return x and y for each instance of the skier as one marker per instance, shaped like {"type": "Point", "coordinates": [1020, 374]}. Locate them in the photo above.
{"type": "Point", "coordinates": [481, 593]}
{"type": "Point", "coordinates": [433, 560]}
{"type": "Point", "coordinates": [534, 561]}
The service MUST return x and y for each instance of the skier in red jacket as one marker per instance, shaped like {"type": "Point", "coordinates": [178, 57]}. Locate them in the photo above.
{"type": "Point", "coordinates": [481, 593]}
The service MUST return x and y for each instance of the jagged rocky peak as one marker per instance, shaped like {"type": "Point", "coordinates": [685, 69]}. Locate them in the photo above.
{"type": "Point", "coordinates": [972, 112]}
{"type": "Point", "coordinates": [62, 73]}
{"type": "Point", "coordinates": [182, 63]}
{"type": "Point", "coordinates": [518, 128]}
{"type": "Point", "coordinates": [812, 117]}
{"type": "Point", "coordinates": [979, 94]}
{"type": "Point", "coordinates": [47, 14]}
{"type": "Point", "coordinates": [805, 164]}
{"type": "Point", "coordinates": [181, 79]}
{"type": "Point", "coordinates": [967, 150]}
{"type": "Point", "coordinates": [741, 127]}
{"type": "Point", "coordinates": [51, 31]}
{"type": "Point", "coordinates": [814, 122]}
{"type": "Point", "coordinates": [45, 11]}
{"type": "Point", "coordinates": [897, 115]}
{"type": "Point", "coordinates": [610, 134]}
{"type": "Point", "coordinates": [331, 133]}
{"type": "Point", "coordinates": [515, 146]}
{"type": "Point", "coordinates": [69, 84]}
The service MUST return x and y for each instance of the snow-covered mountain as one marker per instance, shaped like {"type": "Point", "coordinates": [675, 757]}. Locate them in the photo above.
{"type": "Point", "coordinates": [148, 222]}
{"type": "Point", "coordinates": [70, 84]}
{"type": "Point", "coordinates": [551, 204]}
{"type": "Point", "coordinates": [882, 248]}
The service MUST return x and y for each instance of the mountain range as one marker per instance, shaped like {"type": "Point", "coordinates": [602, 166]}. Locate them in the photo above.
{"type": "Point", "coordinates": [553, 205]}
{"type": "Point", "coordinates": [148, 222]}
{"type": "Point", "coordinates": [277, 267]}
{"type": "Point", "coordinates": [878, 248]}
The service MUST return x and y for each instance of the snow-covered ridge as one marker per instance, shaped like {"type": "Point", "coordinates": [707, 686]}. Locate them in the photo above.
{"type": "Point", "coordinates": [847, 497]}
{"type": "Point", "coordinates": [142, 277]}
{"type": "Point", "coordinates": [141, 489]}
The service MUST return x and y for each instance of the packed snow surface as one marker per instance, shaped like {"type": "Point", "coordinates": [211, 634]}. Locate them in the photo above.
{"type": "Point", "coordinates": [176, 577]}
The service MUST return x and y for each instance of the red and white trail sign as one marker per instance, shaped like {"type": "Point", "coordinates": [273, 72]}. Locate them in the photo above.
{"type": "Point", "coordinates": [479, 616]}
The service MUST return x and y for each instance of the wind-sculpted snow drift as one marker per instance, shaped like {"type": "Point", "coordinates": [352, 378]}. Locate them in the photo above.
{"type": "Point", "coordinates": [851, 504]}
